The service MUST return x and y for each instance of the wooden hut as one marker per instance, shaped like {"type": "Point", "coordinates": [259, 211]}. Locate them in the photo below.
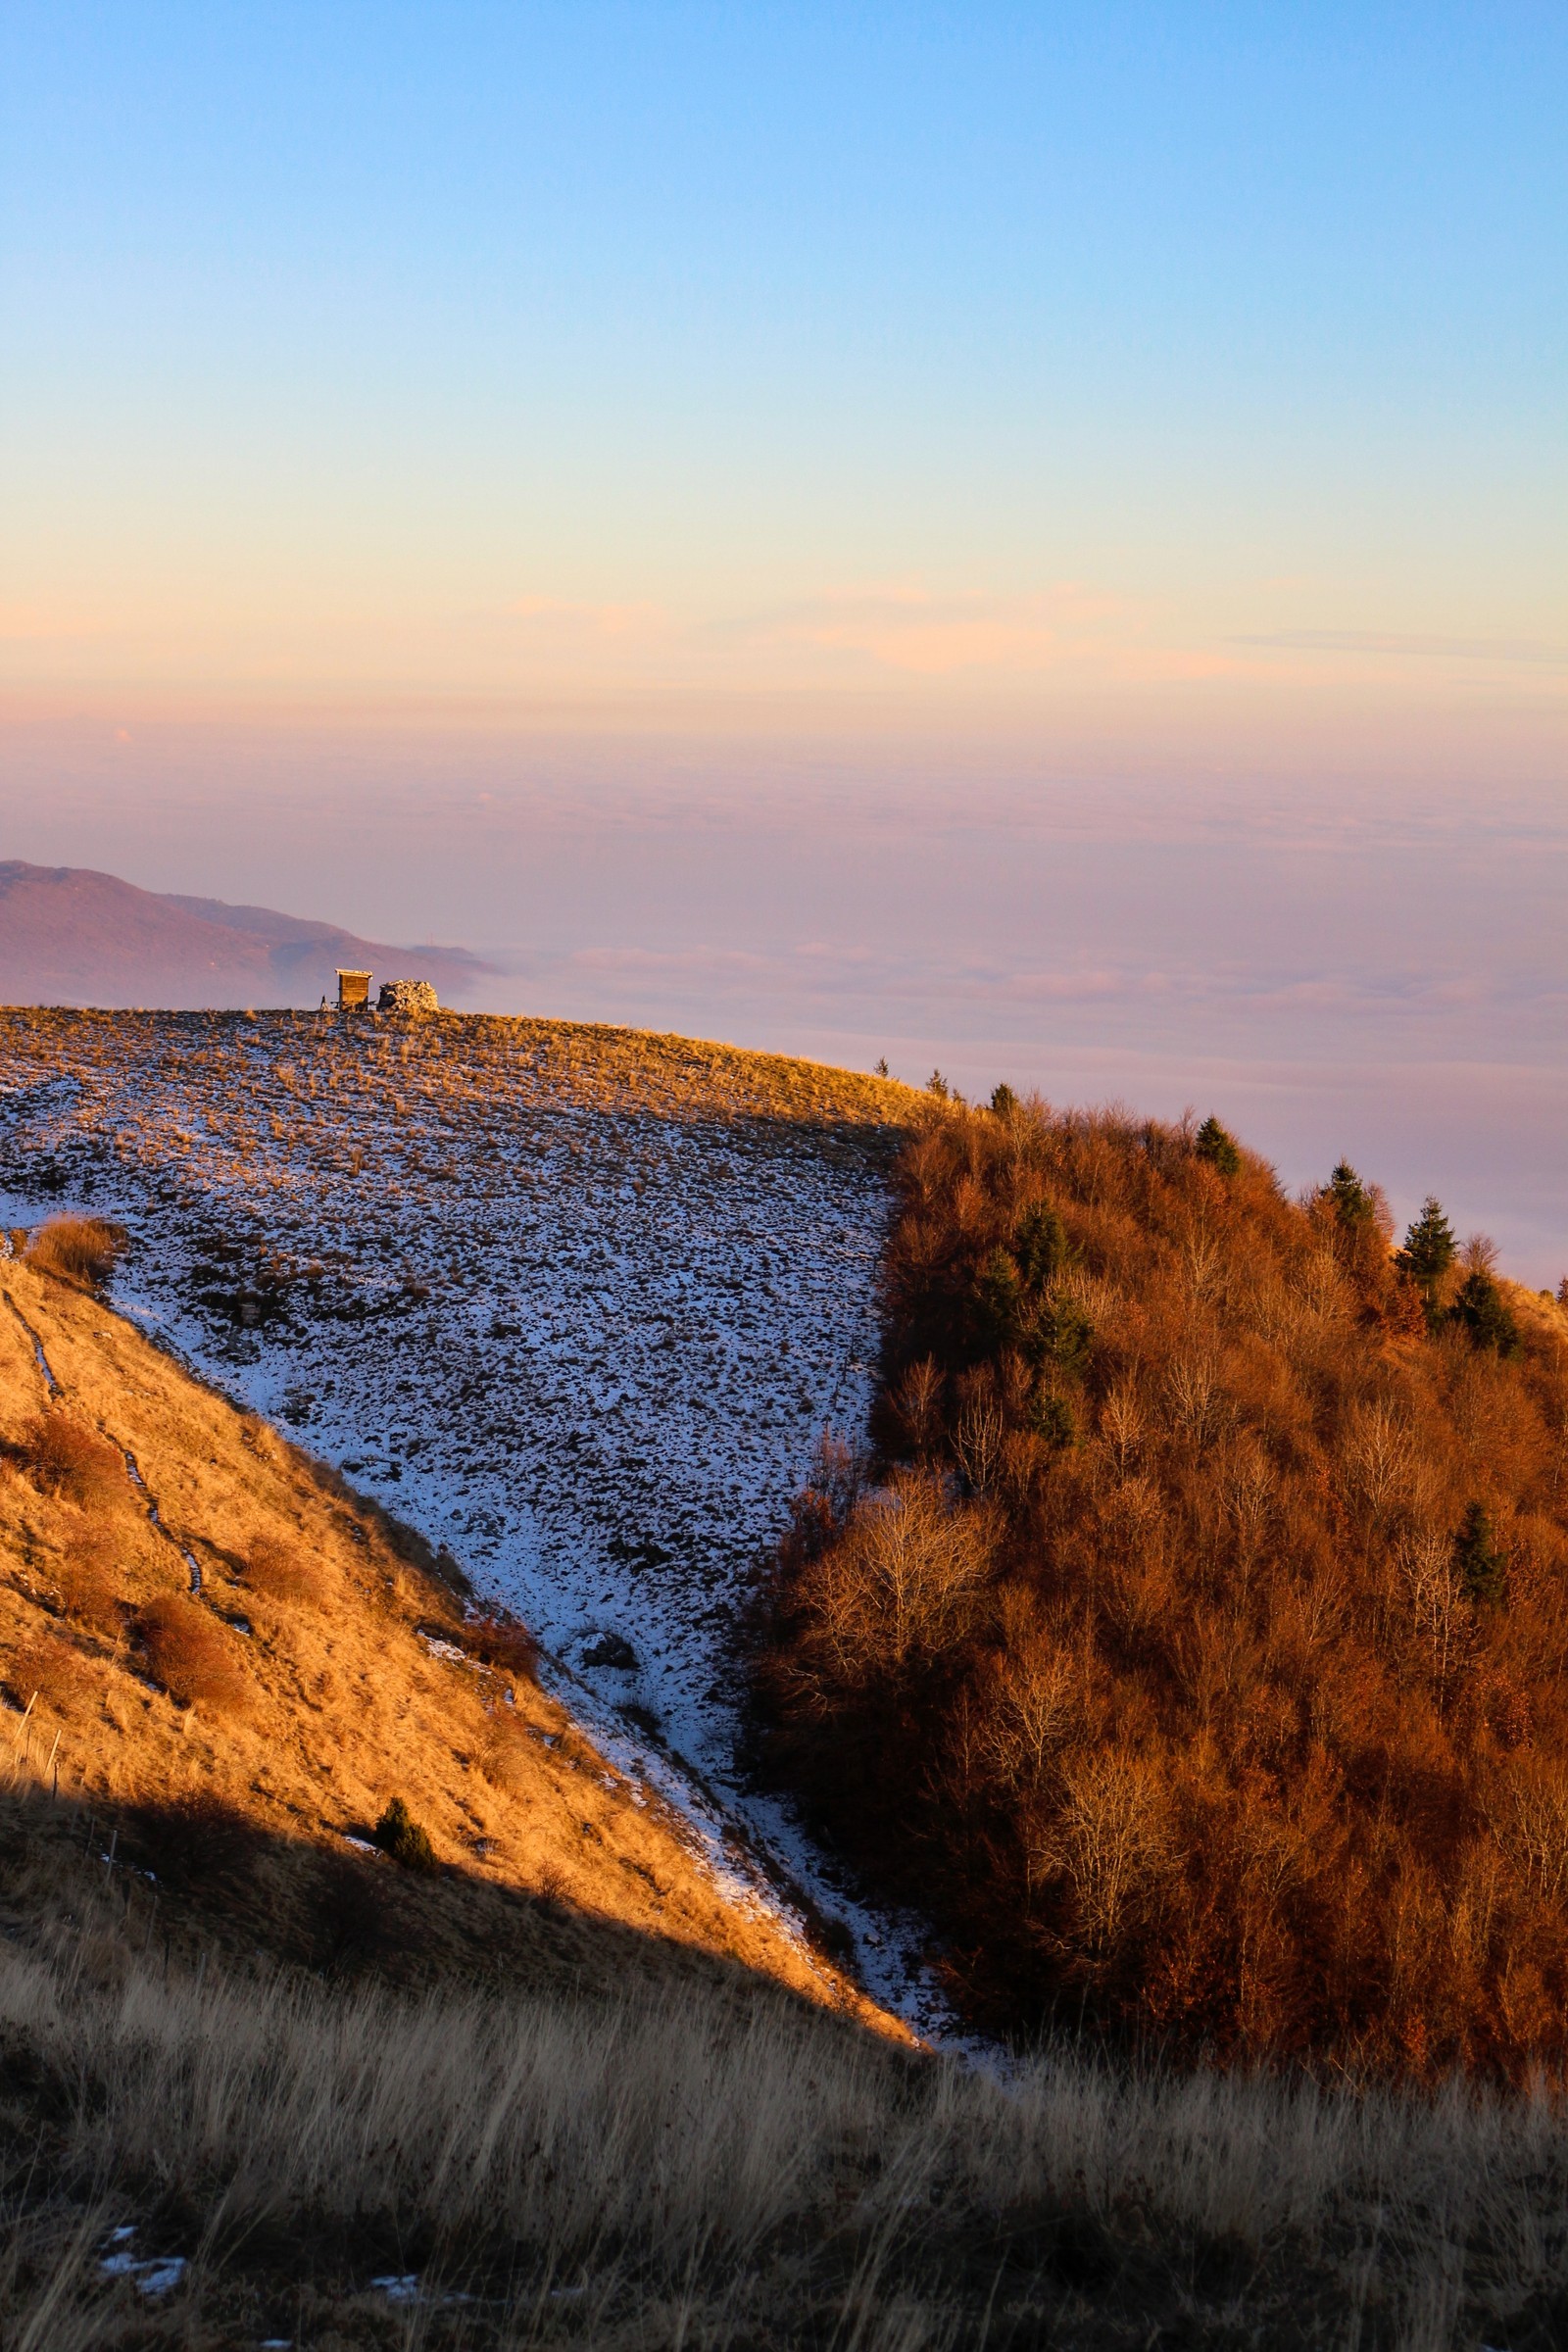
{"type": "Point", "coordinates": [353, 990]}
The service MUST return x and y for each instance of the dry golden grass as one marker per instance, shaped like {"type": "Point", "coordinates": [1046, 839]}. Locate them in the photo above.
{"type": "Point", "coordinates": [283, 1572]}
{"type": "Point", "coordinates": [661, 2164]}
{"type": "Point", "coordinates": [451, 1062]}
{"type": "Point", "coordinates": [82, 1250]}
{"type": "Point", "coordinates": [333, 1702]}
{"type": "Point", "coordinates": [67, 1458]}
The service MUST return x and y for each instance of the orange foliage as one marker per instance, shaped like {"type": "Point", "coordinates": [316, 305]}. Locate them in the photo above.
{"type": "Point", "coordinates": [1197, 1656]}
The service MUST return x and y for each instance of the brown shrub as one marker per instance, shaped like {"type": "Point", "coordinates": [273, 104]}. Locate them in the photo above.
{"type": "Point", "coordinates": [89, 1581]}
{"type": "Point", "coordinates": [78, 1249]}
{"type": "Point", "coordinates": [504, 1643]}
{"type": "Point", "coordinates": [283, 1572]}
{"type": "Point", "coordinates": [52, 1665]}
{"type": "Point", "coordinates": [1160, 1667]}
{"type": "Point", "coordinates": [65, 1457]}
{"type": "Point", "coordinates": [503, 1758]}
{"type": "Point", "coordinates": [191, 1655]}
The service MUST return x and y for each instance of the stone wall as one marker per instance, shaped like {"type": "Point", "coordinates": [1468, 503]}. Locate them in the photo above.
{"type": "Point", "coordinates": [406, 995]}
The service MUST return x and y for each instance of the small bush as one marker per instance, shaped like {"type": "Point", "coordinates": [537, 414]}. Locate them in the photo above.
{"type": "Point", "coordinates": [78, 1249]}
{"type": "Point", "coordinates": [190, 1656]}
{"type": "Point", "coordinates": [282, 1572]}
{"type": "Point", "coordinates": [54, 1667]}
{"type": "Point", "coordinates": [504, 1759]}
{"type": "Point", "coordinates": [501, 1643]}
{"type": "Point", "coordinates": [90, 1582]}
{"type": "Point", "coordinates": [399, 1834]}
{"type": "Point", "coordinates": [67, 1458]}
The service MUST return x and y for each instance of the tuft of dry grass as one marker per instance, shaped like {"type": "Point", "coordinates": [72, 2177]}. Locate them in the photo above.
{"type": "Point", "coordinates": [65, 1457]}
{"type": "Point", "coordinates": [283, 1571]}
{"type": "Point", "coordinates": [193, 1659]}
{"type": "Point", "coordinates": [54, 1668]}
{"type": "Point", "coordinates": [78, 1249]}
{"type": "Point", "coordinates": [89, 1581]}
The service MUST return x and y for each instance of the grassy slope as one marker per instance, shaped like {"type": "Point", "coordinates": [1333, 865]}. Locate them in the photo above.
{"type": "Point", "coordinates": [588, 1062]}
{"type": "Point", "coordinates": [341, 1702]}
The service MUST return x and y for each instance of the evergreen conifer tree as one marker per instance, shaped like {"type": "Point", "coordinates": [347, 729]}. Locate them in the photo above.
{"type": "Point", "coordinates": [1429, 1252]}
{"type": "Point", "coordinates": [1349, 1196]}
{"type": "Point", "coordinates": [1040, 1247]}
{"type": "Point", "coordinates": [1217, 1146]}
{"type": "Point", "coordinates": [1429, 1248]}
{"type": "Point", "coordinates": [1485, 1316]}
{"type": "Point", "coordinates": [1482, 1562]}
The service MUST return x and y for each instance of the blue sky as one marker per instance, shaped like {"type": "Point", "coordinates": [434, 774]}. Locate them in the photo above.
{"type": "Point", "coordinates": [973, 532]}
{"type": "Point", "coordinates": [704, 312]}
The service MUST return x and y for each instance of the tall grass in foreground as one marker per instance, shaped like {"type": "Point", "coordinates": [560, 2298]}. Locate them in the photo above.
{"type": "Point", "coordinates": [731, 2171]}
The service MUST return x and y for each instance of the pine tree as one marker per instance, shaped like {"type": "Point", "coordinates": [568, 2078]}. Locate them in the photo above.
{"type": "Point", "coordinates": [1349, 1196]}
{"type": "Point", "coordinates": [1052, 1417]}
{"type": "Point", "coordinates": [1004, 1101]}
{"type": "Point", "coordinates": [1480, 1559]}
{"type": "Point", "coordinates": [1217, 1146]}
{"type": "Point", "coordinates": [1040, 1247]}
{"type": "Point", "coordinates": [1429, 1248]}
{"type": "Point", "coordinates": [1485, 1316]}
{"type": "Point", "coordinates": [996, 1297]}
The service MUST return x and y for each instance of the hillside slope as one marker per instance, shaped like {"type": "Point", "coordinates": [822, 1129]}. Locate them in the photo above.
{"type": "Point", "coordinates": [1201, 1652]}
{"type": "Point", "coordinates": [71, 936]}
{"type": "Point", "coordinates": [258, 2087]}
{"type": "Point", "coordinates": [239, 1686]}
{"type": "Point", "coordinates": [577, 1303]}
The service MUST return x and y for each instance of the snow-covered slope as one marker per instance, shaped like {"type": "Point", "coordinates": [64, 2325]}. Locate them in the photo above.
{"type": "Point", "coordinates": [577, 1304]}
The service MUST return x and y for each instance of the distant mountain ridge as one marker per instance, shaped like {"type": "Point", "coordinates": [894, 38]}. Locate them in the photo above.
{"type": "Point", "coordinates": [71, 936]}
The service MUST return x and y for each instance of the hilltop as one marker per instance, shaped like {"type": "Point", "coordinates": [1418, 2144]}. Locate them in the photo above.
{"type": "Point", "coordinates": [70, 935]}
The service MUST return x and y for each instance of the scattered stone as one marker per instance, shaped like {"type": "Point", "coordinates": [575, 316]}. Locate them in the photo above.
{"type": "Point", "coordinates": [611, 1649]}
